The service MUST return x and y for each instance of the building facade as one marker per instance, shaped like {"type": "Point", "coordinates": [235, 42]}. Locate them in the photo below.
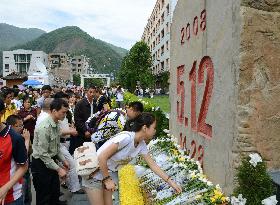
{"type": "Point", "coordinates": [58, 60]}
{"type": "Point", "coordinates": [79, 64]}
{"type": "Point", "coordinates": [21, 61]}
{"type": "Point", "coordinates": [157, 34]}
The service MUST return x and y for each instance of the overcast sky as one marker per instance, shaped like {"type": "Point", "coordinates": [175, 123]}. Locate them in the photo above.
{"type": "Point", "coordinates": [120, 22]}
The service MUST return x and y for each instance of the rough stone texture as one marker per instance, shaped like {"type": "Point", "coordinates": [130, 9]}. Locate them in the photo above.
{"type": "Point", "coordinates": [243, 41]}
{"type": "Point", "coordinates": [259, 88]}
{"type": "Point", "coordinates": [265, 5]}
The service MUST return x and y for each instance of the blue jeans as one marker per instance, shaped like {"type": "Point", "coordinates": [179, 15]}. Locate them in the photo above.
{"type": "Point", "coordinates": [19, 201]}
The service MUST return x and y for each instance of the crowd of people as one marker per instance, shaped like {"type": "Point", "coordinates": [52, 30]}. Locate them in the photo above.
{"type": "Point", "coordinates": [40, 130]}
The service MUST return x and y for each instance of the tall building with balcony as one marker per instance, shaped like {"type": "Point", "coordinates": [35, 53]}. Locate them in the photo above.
{"type": "Point", "coordinates": [157, 34]}
{"type": "Point", "coordinates": [21, 61]}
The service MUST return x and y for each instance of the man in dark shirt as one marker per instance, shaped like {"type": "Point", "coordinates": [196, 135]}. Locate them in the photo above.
{"type": "Point", "coordinates": [83, 110]}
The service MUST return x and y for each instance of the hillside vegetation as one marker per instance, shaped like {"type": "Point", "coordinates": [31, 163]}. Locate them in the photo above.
{"type": "Point", "coordinates": [74, 41]}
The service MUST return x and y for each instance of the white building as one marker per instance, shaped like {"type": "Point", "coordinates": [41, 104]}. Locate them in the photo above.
{"type": "Point", "coordinates": [157, 34]}
{"type": "Point", "coordinates": [21, 61]}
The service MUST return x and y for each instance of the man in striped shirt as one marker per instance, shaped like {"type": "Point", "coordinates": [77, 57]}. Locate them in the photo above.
{"type": "Point", "coordinates": [13, 163]}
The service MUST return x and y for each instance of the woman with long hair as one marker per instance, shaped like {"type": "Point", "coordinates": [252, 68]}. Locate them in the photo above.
{"type": "Point", "coordinates": [119, 151]}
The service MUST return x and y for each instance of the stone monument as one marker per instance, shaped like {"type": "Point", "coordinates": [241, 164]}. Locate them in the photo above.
{"type": "Point", "coordinates": [225, 83]}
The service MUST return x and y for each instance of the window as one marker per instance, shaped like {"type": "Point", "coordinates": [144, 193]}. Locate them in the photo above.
{"type": "Point", "coordinates": [167, 9]}
{"type": "Point", "coordinates": [162, 17]}
{"type": "Point", "coordinates": [167, 28]}
{"type": "Point", "coordinates": [167, 63]}
{"type": "Point", "coordinates": [162, 50]}
{"type": "Point", "coordinates": [167, 45]}
{"type": "Point", "coordinates": [162, 3]}
{"type": "Point", "coordinates": [162, 33]}
{"type": "Point", "coordinates": [6, 67]}
{"type": "Point", "coordinates": [7, 57]}
{"type": "Point", "coordinates": [162, 66]}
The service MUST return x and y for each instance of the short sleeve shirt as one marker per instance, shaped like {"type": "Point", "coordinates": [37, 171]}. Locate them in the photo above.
{"type": "Point", "coordinates": [40, 102]}
{"type": "Point", "coordinates": [12, 153]}
{"type": "Point", "coordinates": [126, 151]}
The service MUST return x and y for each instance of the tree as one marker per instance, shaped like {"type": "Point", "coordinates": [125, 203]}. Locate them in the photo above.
{"type": "Point", "coordinates": [136, 66]}
{"type": "Point", "coordinates": [88, 81]}
{"type": "Point", "coordinates": [163, 79]}
{"type": "Point", "coordinates": [76, 79]}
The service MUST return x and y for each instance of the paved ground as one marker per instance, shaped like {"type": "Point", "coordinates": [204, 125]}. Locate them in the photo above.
{"type": "Point", "coordinates": [72, 199]}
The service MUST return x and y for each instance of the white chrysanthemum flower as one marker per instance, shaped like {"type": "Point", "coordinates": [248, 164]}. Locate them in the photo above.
{"type": "Point", "coordinates": [219, 188]}
{"type": "Point", "coordinates": [209, 183]}
{"type": "Point", "coordinates": [255, 159]}
{"type": "Point", "coordinates": [270, 200]}
{"type": "Point", "coordinates": [166, 131]}
{"type": "Point", "coordinates": [238, 201]}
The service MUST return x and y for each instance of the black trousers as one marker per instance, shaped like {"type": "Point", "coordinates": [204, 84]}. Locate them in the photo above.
{"type": "Point", "coordinates": [46, 183]}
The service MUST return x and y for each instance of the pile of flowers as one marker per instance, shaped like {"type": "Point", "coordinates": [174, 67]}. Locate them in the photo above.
{"type": "Point", "coordinates": [130, 193]}
{"type": "Point", "coordinates": [150, 189]}
{"type": "Point", "coordinates": [197, 189]}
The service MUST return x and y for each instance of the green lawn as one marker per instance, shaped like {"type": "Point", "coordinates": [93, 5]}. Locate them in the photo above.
{"type": "Point", "coordinates": [160, 100]}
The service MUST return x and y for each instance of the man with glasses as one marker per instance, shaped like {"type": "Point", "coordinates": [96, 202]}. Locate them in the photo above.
{"type": "Point", "coordinates": [46, 92]}
{"type": "Point", "coordinates": [16, 123]}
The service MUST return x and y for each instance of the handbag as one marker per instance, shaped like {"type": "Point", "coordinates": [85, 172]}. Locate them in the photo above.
{"type": "Point", "coordinates": [86, 160]}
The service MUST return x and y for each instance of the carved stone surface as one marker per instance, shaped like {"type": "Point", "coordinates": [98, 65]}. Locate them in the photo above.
{"type": "Point", "coordinates": [242, 38]}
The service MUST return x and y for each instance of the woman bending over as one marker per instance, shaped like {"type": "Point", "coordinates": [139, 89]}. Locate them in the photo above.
{"type": "Point", "coordinates": [119, 151]}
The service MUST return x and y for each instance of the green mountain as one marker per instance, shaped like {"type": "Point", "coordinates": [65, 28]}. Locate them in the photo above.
{"type": "Point", "coordinates": [123, 52]}
{"type": "Point", "coordinates": [11, 36]}
{"type": "Point", "coordinates": [74, 41]}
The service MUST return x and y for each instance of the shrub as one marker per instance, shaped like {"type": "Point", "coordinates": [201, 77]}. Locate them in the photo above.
{"type": "Point", "coordinates": [254, 183]}
{"type": "Point", "coordinates": [162, 121]}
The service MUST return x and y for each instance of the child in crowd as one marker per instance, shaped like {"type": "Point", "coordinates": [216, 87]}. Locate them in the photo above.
{"type": "Point", "coordinates": [13, 163]}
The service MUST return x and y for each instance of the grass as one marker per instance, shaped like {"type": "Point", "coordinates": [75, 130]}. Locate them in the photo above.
{"type": "Point", "coordinates": [160, 100]}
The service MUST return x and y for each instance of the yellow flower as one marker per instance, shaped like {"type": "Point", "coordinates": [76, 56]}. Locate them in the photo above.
{"type": "Point", "coordinates": [224, 199]}
{"type": "Point", "coordinates": [218, 194]}
{"type": "Point", "coordinates": [176, 153]}
{"type": "Point", "coordinates": [130, 193]}
{"type": "Point", "coordinates": [213, 199]}
{"type": "Point", "coordinates": [181, 159]}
